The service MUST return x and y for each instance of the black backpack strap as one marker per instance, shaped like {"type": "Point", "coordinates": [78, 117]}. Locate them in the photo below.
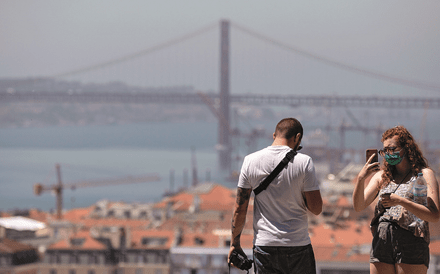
{"type": "Point", "coordinates": [266, 182]}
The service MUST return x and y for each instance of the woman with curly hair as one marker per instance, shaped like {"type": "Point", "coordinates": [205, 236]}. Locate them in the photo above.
{"type": "Point", "coordinates": [400, 225]}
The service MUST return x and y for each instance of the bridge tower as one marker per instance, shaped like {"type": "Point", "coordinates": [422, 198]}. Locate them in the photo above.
{"type": "Point", "coordinates": [224, 141]}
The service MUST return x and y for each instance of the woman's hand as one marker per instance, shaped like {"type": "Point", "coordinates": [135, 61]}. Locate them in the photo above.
{"type": "Point", "coordinates": [364, 195]}
{"type": "Point", "coordinates": [369, 168]}
{"type": "Point", "coordinates": [390, 199]}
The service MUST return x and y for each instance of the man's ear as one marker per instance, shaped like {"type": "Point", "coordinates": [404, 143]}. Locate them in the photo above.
{"type": "Point", "coordinates": [274, 135]}
{"type": "Point", "coordinates": [298, 137]}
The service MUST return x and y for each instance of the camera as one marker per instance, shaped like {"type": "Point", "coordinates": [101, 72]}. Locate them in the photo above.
{"type": "Point", "coordinates": [240, 261]}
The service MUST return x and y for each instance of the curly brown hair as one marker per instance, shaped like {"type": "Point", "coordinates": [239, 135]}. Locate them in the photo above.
{"type": "Point", "coordinates": [412, 152]}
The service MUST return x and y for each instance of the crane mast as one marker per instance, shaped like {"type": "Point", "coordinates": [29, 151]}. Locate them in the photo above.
{"type": "Point", "coordinates": [59, 186]}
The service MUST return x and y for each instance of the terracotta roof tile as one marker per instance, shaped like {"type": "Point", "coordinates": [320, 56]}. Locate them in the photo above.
{"type": "Point", "coordinates": [63, 244]}
{"type": "Point", "coordinates": [352, 233]}
{"type": "Point", "coordinates": [137, 237]}
{"type": "Point", "coordinates": [88, 242]}
{"type": "Point", "coordinates": [110, 222]}
{"type": "Point", "coordinates": [339, 254]}
{"type": "Point", "coordinates": [219, 198]}
{"type": "Point", "coordinates": [344, 202]}
{"type": "Point", "coordinates": [38, 215]}
{"type": "Point", "coordinates": [434, 248]}
{"type": "Point", "coordinates": [179, 202]}
{"type": "Point", "coordinates": [77, 214]}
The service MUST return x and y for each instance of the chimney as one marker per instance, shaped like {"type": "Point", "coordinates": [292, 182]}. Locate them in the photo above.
{"type": "Point", "coordinates": [122, 239]}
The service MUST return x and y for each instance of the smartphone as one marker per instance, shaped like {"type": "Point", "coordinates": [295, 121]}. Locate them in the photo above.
{"type": "Point", "coordinates": [370, 152]}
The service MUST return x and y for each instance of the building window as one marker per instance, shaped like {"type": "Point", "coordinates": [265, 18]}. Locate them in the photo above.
{"type": "Point", "coordinates": [65, 258]}
{"type": "Point", "coordinates": [83, 258]}
{"type": "Point", "coordinates": [139, 271]}
{"type": "Point", "coordinates": [139, 258]}
{"type": "Point", "coordinates": [93, 259]}
{"type": "Point", "coordinates": [91, 271]}
{"type": "Point", "coordinates": [217, 260]}
{"type": "Point", "coordinates": [72, 271]}
{"type": "Point", "coordinates": [77, 241]}
{"type": "Point", "coordinates": [154, 241]}
{"type": "Point", "coordinates": [131, 258]}
{"type": "Point", "coordinates": [199, 241]}
{"type": "Point", "coordinates": [162, 258]}
{"type": "Point", "coordinates": [73, 259]}
{"type": "Point", "coordinates": [54, 259]}
{"type": "Point", "coordinates": [150, 258]}
{"type": "Point", "coordinates": [158, 271]}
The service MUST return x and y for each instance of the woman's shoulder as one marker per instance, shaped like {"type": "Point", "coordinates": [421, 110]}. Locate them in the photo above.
{"type": "Point", "coordinates": [429, 174]}
{"type": "Point", "coordinates": [427, 171]}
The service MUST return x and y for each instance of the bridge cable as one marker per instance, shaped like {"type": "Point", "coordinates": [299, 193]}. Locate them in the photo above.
{"type": "Point", "coordinates": [377, 75]}
{"type": "Point", "coordinates": [137, 54]}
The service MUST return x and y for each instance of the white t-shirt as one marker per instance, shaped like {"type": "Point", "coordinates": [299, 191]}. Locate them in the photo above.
{"type": "Point", "coordinates": [280, 213]}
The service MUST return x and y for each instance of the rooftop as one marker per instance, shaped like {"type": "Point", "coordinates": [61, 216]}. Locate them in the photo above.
{"type": "Point", "coordinates": [21, 223]}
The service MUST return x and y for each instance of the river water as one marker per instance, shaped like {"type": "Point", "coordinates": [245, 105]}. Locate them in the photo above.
{"type": "Point", "coordinates": [29, 155]}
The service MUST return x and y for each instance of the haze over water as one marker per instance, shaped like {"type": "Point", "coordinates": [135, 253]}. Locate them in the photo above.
{"type": "Point", "coordinates": [29, 155]}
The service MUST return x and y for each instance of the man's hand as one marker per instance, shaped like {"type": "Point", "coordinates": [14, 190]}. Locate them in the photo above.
{"type": "Point", "coordinates": [237, 249]}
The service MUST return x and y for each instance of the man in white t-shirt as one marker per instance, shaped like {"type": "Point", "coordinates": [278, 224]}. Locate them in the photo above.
{"type": "Point", "coordinates": [281, 239]}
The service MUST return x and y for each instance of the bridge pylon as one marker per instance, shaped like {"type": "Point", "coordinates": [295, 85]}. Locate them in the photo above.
{"type": "Point", "coordinates": [224, 140]}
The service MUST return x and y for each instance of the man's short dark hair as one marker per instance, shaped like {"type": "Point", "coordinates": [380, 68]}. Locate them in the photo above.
{"type": "Point", "coordinates": [288, 128]}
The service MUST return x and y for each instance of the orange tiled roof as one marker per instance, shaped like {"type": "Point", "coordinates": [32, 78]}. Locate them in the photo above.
{"type": "Point", "coordinates": [434, 248]}
{"type": "Point", "coordinates": [138, 235]}
{"type": "Point", "coordinates": [88, 244]}
{"type": "Point", "coordinates": [339, 254]}
{"type": "Point", "coordinates": [37, 215]}
{"type": "Point", "coordinates": [344, 202]}
{"type": "Point", "coordinates": [81, 216]}
{"type": "Point", "coordinates": [351, 234]}
{"type": "Point", "coordinates": [208, 240]}
{"type": "Point", "coordinates": [341, 202]}
{"type": "Point", "coordinates": [181, 201]}
{"type": "Point", "coordinates": [109, 222]}
{"type": "Point", "coordinates": [5, 215]}
{"type": "Point", "coordinates": [77, 214]}
{"type": "Point", "coordinates": [218, 198]}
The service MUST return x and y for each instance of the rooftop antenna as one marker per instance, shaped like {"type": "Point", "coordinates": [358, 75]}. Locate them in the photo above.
{"type": "Point", "coordinates": [195, 180]}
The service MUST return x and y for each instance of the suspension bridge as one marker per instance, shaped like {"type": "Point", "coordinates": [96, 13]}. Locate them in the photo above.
{"type": "Point", "coordinates": [297, 75]}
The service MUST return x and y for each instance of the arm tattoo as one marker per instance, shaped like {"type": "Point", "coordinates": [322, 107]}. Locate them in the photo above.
{"type": "Point", "coordinates": [242, 196]}
{"type": "Point", "coordinates": [239, 218]}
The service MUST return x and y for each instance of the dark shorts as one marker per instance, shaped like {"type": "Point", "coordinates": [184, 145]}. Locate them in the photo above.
{"type": "Point", "coordinates": [393, 244]}
{"type": "Point", "coordinates": [273, 259]}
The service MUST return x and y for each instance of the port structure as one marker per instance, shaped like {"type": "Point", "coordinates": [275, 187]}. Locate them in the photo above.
{"type": "Point", "coordinates": [59, 187]}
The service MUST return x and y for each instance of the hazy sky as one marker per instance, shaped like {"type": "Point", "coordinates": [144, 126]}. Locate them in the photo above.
{"type": "Point", "coordinates": [47, 37]}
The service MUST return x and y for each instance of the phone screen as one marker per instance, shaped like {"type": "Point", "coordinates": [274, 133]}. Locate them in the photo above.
{"type": "Point", "coordinates": [370, 152]}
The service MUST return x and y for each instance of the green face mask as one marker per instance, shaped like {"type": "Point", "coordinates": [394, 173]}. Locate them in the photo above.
{"type": "Point", "coordinates": [394, 159]}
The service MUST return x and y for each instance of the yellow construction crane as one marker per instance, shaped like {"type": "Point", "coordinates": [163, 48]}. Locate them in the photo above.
{"type": "Point", "coordinates": [58, 188]}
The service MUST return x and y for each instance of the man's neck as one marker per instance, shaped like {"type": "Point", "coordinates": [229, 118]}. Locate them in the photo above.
{"type": "Point", "coordinates": [280, 142]}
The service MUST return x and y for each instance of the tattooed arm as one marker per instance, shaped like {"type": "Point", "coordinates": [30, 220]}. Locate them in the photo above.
{"type": "Point", "coordinates": [239, 218]}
